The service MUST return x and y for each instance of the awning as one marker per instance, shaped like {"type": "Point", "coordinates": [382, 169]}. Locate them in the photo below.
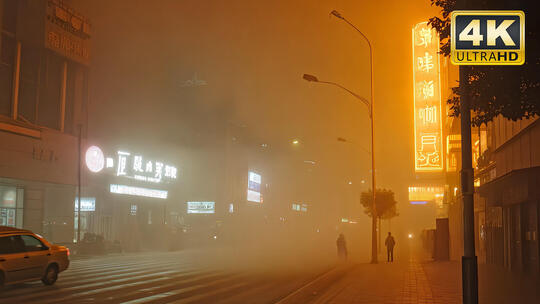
{"type": "Point", "coordinates": [515, 187]}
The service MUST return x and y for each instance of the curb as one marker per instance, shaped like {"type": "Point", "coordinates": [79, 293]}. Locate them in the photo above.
{"type": "Point", "coordinates": [316, 287]}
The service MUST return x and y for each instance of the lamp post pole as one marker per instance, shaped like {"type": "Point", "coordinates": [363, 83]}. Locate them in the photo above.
{"type": "Point", "coordinates": [469, 263]}
{"type": "Point", "coordinates": [374, 188]}
{"type": "Point", "coordinates": [312, 78]}
{"type": "Point", "coordinates": [79, 164]}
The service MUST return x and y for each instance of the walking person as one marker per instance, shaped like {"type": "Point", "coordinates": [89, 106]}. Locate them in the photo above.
{"type": "Point", "coordinates": [390, 243]}
{"type": "Point", "coordinates": [341, 247]}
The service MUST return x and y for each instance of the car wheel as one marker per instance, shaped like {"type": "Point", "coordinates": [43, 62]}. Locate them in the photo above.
{"type": "Point", "coordinates": [51, 275]}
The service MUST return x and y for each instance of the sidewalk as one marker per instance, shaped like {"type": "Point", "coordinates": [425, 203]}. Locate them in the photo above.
{"type": "Point", "coordinates": [496, 284]}
{"type": "Point", "coordinates": [399, 282]}
{"type": "Point", "coordinates": [414, 280]}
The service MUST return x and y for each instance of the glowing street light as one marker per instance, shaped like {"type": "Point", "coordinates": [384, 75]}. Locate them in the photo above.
{"type": "Point", "coordinates": [369, 104]}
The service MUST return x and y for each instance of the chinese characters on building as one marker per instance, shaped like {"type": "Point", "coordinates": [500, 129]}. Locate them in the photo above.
{"type": "Point", "coordinates": [427, 99]}
{"type": "Point", "coordinates": [132, 166]}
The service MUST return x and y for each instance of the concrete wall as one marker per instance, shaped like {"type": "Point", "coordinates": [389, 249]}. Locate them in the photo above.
{"type": "Point", "coordinates": [52, 158]}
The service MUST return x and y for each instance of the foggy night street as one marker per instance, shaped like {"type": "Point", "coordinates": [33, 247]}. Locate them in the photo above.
{"type": "Point", "coordinates": [270, 152]}
{"type": "Point", "coordinates": [157, 278]}
{"type": "Point", "coordinates": [190, 277]}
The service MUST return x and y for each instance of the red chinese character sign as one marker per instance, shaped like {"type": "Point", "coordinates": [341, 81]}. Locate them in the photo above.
{"type": "Point", "coordinates": [427, 99]}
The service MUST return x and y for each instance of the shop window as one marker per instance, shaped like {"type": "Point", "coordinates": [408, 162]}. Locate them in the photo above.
{"type": "Point", "coordinates": [10, 207]}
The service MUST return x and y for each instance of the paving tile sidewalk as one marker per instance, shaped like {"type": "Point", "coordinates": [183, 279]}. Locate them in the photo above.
{"type": "Point", "coordinates": [496, 284]}
{"type": "Point", "coordinates": [416, 280]}
{"type": "Point", "coordinates": [400, 282]}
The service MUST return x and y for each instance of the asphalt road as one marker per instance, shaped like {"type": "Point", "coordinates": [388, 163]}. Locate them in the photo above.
{"type": "Point", "coordinates": [178, 277]}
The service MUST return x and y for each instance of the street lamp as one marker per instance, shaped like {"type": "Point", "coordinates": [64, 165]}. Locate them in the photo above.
{"type": "Point", "coordinates": [369, 104]}
{"type": "Point", "coordinates": [312, 78]}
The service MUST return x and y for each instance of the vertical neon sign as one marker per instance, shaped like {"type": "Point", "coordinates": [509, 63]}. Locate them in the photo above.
{"type": "Point", "coordinates": [427, 99]}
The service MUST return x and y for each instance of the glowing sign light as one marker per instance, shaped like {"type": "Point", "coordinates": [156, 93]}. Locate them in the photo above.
{"type": "Point", "coordinates": [254, 188]}
{"type": "Point", "coordinates": [87, 204]}
{"type": "Point", "coordinates": [130, 166]}
{"type": "Point", "coordinates": [95, 161]}
{"type": "Point", "coordinates": [138, 191]}
{"type": "Point", "coordinates": [201, 207]}
{"type": "Point", "coordinates": [421, 195]}
{"type": "Point", "coordinates": [427, 99]}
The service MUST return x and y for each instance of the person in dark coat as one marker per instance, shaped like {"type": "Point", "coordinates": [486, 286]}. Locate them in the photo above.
{"type": "Point", "coordinates": [390, 243]}
{"type": "Point", "coordinates": [341, 247]}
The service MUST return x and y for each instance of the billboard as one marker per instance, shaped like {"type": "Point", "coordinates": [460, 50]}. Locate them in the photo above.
{"type": "Point", "coordinates": [427, 99]}
{"type": "Point", "coordinates": [254, 188]}
{"type": "Point", "coordinates": [201, 207]}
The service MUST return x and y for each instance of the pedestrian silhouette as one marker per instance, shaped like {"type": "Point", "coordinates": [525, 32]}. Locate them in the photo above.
{"type": "Point", "coordinates": [390, 243]}
{"type": "Point", "coordinates": [341, 247]}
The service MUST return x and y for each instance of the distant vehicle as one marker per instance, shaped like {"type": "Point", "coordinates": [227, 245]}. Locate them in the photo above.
{"type": "Point", "coordinates": [26, 256]}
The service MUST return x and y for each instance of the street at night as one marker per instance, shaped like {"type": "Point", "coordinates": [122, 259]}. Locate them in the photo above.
{"type": "Point", "coordinates": [272, 152]}
{"type": "Point", "coordinates": [185, 277]}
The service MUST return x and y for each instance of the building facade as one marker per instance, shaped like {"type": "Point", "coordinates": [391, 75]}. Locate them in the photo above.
{"type": "Point", "coordinates": [44, 61]}
{"type": "Point", "coordinates": [506, 160]}
{"type": "Point", "coordinates": [508, 184]}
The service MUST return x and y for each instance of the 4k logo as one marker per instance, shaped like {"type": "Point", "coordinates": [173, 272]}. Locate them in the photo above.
{"type": "Point", "coordinates": [488, 37]}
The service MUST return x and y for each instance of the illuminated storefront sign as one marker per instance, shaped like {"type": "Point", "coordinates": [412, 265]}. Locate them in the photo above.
{"type": "Point", "coordinates": [201, 207]}
{"type": "Point", "coordinates": [134, 166]}
{"type": "Point", "coordinates": [139, 168]}
{"type": "Point", "coordinates": [87, 204]}
{"type": "Point", "coordinates": [427, 99]}
{"type": "Point", "coordinates": [254, 188]}
{"type": "Point", "coordinates": [421, 195]}
{"type": "Point", "coordinates": [95, 161]}
{"type": "Point", "coordinates": [138, 191]}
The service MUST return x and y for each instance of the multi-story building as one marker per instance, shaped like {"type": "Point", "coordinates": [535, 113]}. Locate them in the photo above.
{"type": "Point", "coordinates": [508, 183]}
{"type": "Point", "coordinates": [506, 159]}
{"type": "Point", "coordinates": [44, 57]}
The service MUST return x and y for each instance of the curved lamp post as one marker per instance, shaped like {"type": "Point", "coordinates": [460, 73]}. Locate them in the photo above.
{"type": "Point", "coordinates": [369, 104]}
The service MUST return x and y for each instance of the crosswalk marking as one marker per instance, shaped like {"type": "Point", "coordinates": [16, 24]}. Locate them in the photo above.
{"type": "Point", "coordinates": [144, 278]}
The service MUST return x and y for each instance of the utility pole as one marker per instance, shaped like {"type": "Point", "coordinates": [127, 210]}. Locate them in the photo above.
{"type": "Point", "coordinates": [469, 263]}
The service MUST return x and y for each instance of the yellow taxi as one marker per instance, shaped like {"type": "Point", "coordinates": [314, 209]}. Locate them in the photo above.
{"type": "Point", "coordinates": [26, 256]}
